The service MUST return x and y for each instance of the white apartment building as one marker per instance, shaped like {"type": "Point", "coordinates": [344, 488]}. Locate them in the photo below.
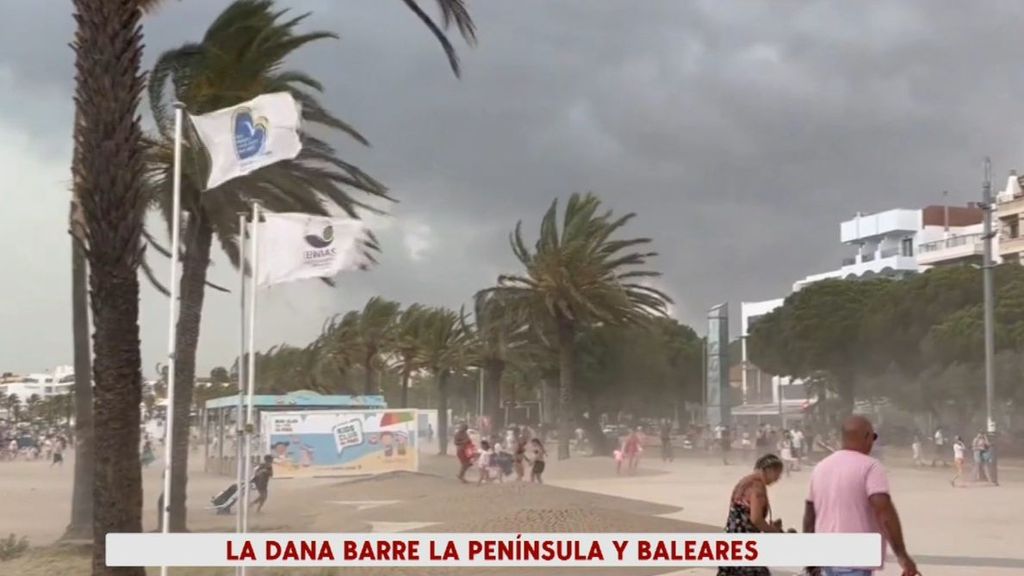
{"type": "Point", "coordinates": [56, 383]}
{"type": "Point", "coordinates": [1009, 210]}
{"type": "Point", "coordinates": [892, 243]}
{"type": "Point", "coordinates": [902, 241]}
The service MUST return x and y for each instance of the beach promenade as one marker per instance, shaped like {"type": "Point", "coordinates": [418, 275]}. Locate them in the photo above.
{"type": "Point", "coordinates": [950, 531]}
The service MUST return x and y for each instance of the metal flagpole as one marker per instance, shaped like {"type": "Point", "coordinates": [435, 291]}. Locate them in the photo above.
{"type": "Point", "coordinates": [989, 315]}
{"type": "Point", "coordinates": [239, 422]}
{"type": "Point", "coordinates": [172, 329]}
{"type": "Point", "coordinates": [250, 428]}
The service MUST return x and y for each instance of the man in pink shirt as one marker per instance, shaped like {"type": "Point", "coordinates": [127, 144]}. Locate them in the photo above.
{"type": "Point", "coordinates": [850, 494]}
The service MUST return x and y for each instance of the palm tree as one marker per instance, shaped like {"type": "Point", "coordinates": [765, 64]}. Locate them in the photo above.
{"type": "Point", "coordinates": [80, 525]}
{"type": "Point", "coordinates": [444, 350]}
{"type": "Point", "coordinates": [576, 276]}
{"type": "Point", "coordinates": [107, 175]}
{"type": "Point", "coordinates": [408, 345]}
{"type": "Point", "coordinates": [452, 12]}
{"type": "Point", "coordinates": [375, 331]}
{"type": "Point", "coordinates": [335, 352]}
{"type": "Point", "coordinates": [499, 330]}
{"type": "Point", "coordinates": [242, 55]}
{"type": "Point", "coordinates": [12, 404]}
{"type": "Point", "coordinates": [32, 405]}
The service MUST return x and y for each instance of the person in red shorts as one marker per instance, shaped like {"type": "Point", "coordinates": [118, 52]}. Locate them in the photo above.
{"type": "Point", "coordinates": [464, 451]}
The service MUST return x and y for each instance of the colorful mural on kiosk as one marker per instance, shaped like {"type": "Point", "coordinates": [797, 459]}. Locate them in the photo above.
{"type": "Point", "coordinates": [340, 442]}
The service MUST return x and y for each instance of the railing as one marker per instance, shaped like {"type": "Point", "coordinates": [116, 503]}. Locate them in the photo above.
{"type": "Point", "coordinates": [951, 242]}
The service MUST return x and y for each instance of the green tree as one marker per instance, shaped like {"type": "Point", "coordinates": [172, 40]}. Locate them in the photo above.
{"type": "Point", "coordinates": [242, 55]}
{"type": "Point", "coordinates": [579, 275]}
{"type": "Point", "coordinates": [408, 344]}
{"type": "Point", "coordinates": [32, 405]}
{"type": "Point", "coordinates": [335, 351]}
{"type": "Point", "coordinates": [452, 12]}
{"type": "Point", "coordinates": [220, 375]}
{"type": "Point", "coordinates": [646, 370]}
{"type": "Point", "coordinates": [444, 351]}
{"type": "Point", "coordinates": [375, 332]}
{"type": "Point", "coordinates": [818, 328]}
{"type": "Point", "coordinates": [498, 332]}
{"type": "Point", "coordinates": [12, 404]}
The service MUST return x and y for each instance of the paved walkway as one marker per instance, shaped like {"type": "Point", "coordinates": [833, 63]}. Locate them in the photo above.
{"type": "Point", "coordinates": [950, 531]}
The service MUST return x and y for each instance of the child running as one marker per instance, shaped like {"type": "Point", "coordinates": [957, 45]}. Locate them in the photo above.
{"type": "Point", "coordinates": [537, 471]}
{"type": "Point", "coordinates": [958, 459]}
{"type": "Point", "coordinates": [485, 461]}
{"type": "Point", "coordinates": [520, 459]}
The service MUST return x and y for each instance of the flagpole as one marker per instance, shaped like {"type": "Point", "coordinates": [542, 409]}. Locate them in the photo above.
{"type": "Point", "coordinates": [239, 423]}
{"type": "Point", "coordinates": [172, 328]}
{"type": "Point", "coordinates": [249, 424]}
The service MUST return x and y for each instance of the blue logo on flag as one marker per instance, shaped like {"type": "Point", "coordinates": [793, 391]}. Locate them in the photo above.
{"type": "Point", "coordinates": [323, 240]}
{"type": "Point", "coordinates": [250, 134]}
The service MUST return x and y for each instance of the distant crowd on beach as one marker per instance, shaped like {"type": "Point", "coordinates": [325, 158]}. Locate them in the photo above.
{"type": "Point", "coordinates": [26, 442]}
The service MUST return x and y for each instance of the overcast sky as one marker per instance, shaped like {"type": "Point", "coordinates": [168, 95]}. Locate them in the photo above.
{"type": "Point", "coordinates": [741, 133]}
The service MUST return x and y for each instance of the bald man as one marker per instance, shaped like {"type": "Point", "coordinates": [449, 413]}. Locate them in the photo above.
{"type": "Point", "coordinates": [850, 493]}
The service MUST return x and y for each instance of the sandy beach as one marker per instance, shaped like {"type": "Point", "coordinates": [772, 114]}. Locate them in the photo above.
{"type": "Point", "coordinates": [950, 531]}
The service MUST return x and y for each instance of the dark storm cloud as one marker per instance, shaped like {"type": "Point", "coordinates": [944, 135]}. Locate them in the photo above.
{"type": "Point", "coordinates": [740, 132]}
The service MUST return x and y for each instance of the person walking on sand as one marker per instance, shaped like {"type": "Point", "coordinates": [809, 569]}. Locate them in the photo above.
{"type": "Point", "coordinates": [666, 441]}
{"type": "Point", "coordinates": [519, 459]}
{"type": "Point", "coordinates": [537, 469]}
{"type": "Point", "coordinates": [749, 510]}
{"type": "Point", "coordinates": [464, 451]}
{"type": "Point", "coordinates": [261, 481]}
{"type": "Point", "coordinates": [786, 452]}
{"type": "Point", "coordinates": [147, 454]}
{"type": "Point", "coordinates": [797, 438]}
{"type": "Point", "coordinates": [58, 456]}
{"type": "Point", "coordinates": [958, 459]}
{"type": "Point", "coordinates": [915, 448]}
{"type": "Point", "coordinates": [978, 447]}
{"type": "Point", "coordinates": [631, 451]}
{"type": "Point", "coordinates": [725, 444]}
{"type": "Point", "coordinates": [849, 493]}
{"type": "Point", "coordinates": [940, 448]}
{"type": "Point", "coordinates": [485, 462]}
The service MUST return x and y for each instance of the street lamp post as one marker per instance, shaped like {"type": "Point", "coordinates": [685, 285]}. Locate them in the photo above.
{"type": "Point", "coordinates": [989, 306]}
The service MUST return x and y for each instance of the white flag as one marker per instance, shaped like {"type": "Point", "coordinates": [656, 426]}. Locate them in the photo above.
{"type": "Point", "coordinates": [250, 135]}
{"type": "Point", "coordinates": [295, 246]}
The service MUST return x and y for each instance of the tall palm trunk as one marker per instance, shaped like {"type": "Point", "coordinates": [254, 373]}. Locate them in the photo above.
{"type": "Point", "coordinates": [591, 425]}
{"type": "Point", "coordinates": [368, 385]}
{"type": "Point", "coordinates": [81, 496]}
{"type": "Point", "coordinates": [193, 281]}
{"type": "Point", "coordinates": [567, 372]}
{"type": "Point", "coordinates": [442, 412]}
{"type": "Point", "coordinates": [549, 400]}
{"type": "Point", "coordinates": [406, 376]}
{"type": "Point", "coordinates": [493, 369]}
{"type": "Point", "coordinates": [108, 53]}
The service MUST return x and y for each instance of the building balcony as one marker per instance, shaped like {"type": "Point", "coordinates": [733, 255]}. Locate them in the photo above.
{"type": "Point", "coordinates": [950, 250]}
{"type": "Point", "coordinates": [1010, 246]}
{"type": "Point", "coordinates": [1010, 207]}
{"type": "Point", "coordinates": [887, 263]}
{"type": "Point", "coordinates": [865, 227]}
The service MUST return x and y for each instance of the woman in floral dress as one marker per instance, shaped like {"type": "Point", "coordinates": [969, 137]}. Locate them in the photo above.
{"type": "Point", "coordinates": [749, 510]}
